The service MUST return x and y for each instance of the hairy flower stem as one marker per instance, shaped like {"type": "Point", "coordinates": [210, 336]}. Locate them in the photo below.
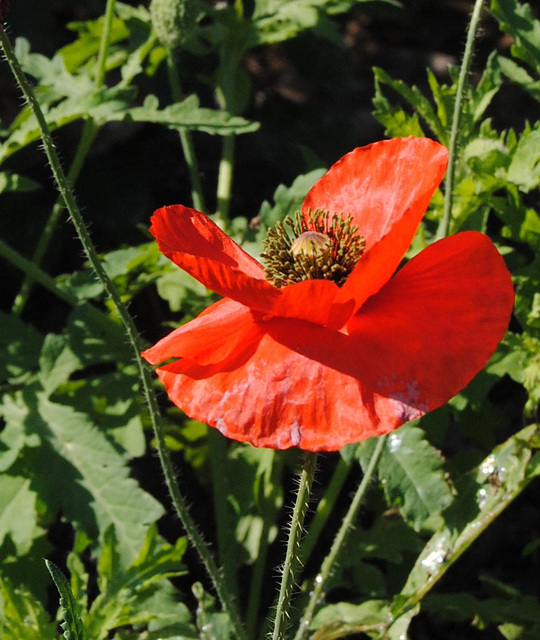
{"type": "Point", "coordinates": [293, 545]}
{"type": "Point", "coordinates": [444, 225]}
{"type": "Point", "coordinates": [324, 509]}
{"type": "Point", "coordinates": [131, 333]}
{"type": "Point", "coordinates": [185, 136]}
{"type": "Point", "coordinates": [339, 540]}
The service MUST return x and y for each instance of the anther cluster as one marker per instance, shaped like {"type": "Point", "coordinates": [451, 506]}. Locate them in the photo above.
{"type": "Point", "coordinates": [291, 255]}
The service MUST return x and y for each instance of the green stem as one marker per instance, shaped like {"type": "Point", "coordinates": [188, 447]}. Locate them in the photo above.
{"type": "Point", "coordinates": [293, 545]}
{"type": "Point", "coordinates": [324, 509]}
{"type": "Point", "coordinates": [36, 274]}
{"type": "Point", "coordinates": [95, 316]}
{"type": "Point", "coordinates": [104, 44]}
{"type": "Point", "coordinates": [444, 225]}
{"type": "Point", "coordinates": [87, 137]}
{"type": "Point", "coordinates": [185, 136]}
{"type": "Point", "coordinates": [217, 448]}
{"type": "Point", "coordinates": [225, 178]}
{"type": "Point", "coordinates": [339, 540]}
{"type": "Point", "coordinates": [257, 581]}
{"type": "Point", "coordinates": [131, 333]}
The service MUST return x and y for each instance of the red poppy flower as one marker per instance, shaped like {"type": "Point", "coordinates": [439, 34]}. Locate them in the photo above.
{"type": "Point", "coordinates": [321, 363]}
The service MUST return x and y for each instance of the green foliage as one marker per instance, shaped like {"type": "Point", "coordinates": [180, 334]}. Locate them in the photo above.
{"type": "Point", "coordinates": [69, 610]}
{"type": "Point", "coordinates": [22, 616]}
{"type": "Point", "coordinates": [412, 473]}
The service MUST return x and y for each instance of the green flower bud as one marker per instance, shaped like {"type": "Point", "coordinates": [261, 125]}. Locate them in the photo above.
{"type": "Point", "coordinates": [173, 20]}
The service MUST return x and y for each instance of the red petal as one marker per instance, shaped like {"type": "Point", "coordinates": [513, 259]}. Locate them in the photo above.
{"type": "Point", "coordinates": [437, 322]}
{"type": "Point", "coordinates": [273, 397]}
{"type": "Point", "coordinates": [286, 382]}
{"type": "Point", "coordinates": [211, 338]}
{"type": "Point", "coordinates": [386, 187]}
{"type": "Point", "coordinates": [197, 245]}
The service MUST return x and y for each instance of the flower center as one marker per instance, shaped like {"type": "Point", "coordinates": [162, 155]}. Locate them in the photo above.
{"type": "Point", "coordinates": [312, 246]}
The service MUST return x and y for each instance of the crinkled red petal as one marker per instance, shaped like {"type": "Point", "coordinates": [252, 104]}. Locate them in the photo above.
{"type": "Point", "coordinates": [410, 349]}
{"type": "Point", "coordinates": [197, 245]}
{"type": "Point", "coordinates": [270, 396]}
{"type": "Point", "coordinates": [386, 187]}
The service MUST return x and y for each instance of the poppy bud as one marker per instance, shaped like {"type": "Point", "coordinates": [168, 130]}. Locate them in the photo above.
{"type": "Point", "coordinates": [4, 9]}
{"type": "Point", "coordinates": [173, 20]}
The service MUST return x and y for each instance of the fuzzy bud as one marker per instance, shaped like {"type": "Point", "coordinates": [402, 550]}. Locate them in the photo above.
{"type": "Point", "coordinates": [173, 20]}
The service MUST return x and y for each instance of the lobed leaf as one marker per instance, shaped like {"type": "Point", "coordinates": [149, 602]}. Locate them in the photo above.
{"type": "Point", "coordinates": [412, 473]}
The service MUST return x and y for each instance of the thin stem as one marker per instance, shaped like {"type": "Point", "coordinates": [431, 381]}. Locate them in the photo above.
{"type": "Point", "coordinates": [217, 449]}
{"type": "Point", "coordinates": [324, 509]}
{"type": "Point", "coordinates": [36, 274]}
{"type": "Point", "coordinates": [104, 44]}
{"type": "Point", "coordinates": [293, 545]}
{"type": "Point", "coordinates": [444, 225]}
{"type": "Point", "coordinates": [257, 580]}
{"type": "Point", "coordinates": [87, 137]}
{"type": "Point", "coordinates": [95, 316]}
{"type": "Point", "coordinates": [339, 540]}
{"type": "Point", "coordinates": [131, 333]}
{"type": "Point", "coordinates": [185, 136]}
{"type": "Point", "coordinates": [225, 178]}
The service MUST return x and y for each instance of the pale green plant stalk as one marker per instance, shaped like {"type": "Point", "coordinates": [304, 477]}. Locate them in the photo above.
{"type": "Point", "coordinates": [104, 44]}
{"type": "Point", "coordinates": [185, 136]}
{"type": "Point", "coordinates": [339, 541]}
{"type": "Point", "coordinates": [281, 619]}
{"type": "Point", "coordinates": [444, 225]}
{"type": "Point", "coordinates": [132, 335]}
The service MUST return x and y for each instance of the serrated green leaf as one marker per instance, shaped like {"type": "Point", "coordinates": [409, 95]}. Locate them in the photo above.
{"type": "Point", "coordinates": [72, 624]}
{"type": "Point", "coordinates": [187, 115]}
{"type": "Point", "coordinates": [102, 106]}
{"type": "Point", "coordinates": [517, 19]}
{"type": "Point", "coordinates": [414, 97]}
{"type": "Point", "coordinates": [412, 473]}
{"type": "Point", "coordinates": [78, 470]}
{"type": "Point", "coordinates": [18, 517]}
{"type": "Point", "coordinates": [524, 169]}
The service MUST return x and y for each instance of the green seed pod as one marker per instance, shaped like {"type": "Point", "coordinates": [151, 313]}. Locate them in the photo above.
{"type": "Point", "coordinates": [173, 20]}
